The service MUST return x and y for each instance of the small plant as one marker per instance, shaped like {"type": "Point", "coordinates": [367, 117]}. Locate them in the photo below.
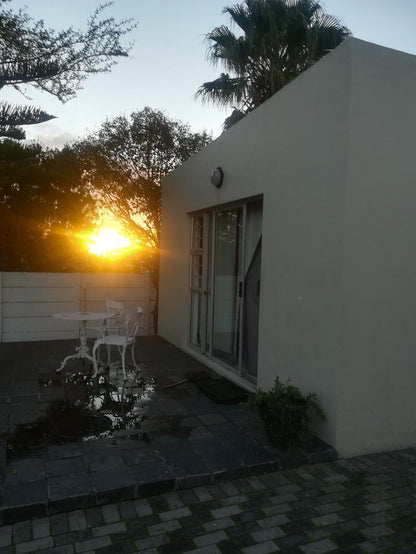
{"type": "Point", "coordinates": [287, 413]}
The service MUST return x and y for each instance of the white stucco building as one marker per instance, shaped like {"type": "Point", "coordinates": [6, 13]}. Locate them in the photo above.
{"type": "Point", "coordinates": [302, 263]}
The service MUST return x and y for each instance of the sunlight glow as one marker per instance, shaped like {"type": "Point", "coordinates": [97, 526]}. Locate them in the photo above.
{"type": "Point", "coordinates": [107, 241]}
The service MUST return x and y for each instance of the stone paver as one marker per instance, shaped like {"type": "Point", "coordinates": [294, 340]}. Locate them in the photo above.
{"type": "Point", "coordinates": [178, 438]}
{"type": "Point", "coordinates": [203, 480]}
{"type": "Point", "coordinates": [235, 516]}
{"type": "Point", "coordinates": [5, 535]}
{"type": "Point", "coordinates": [34, 546]}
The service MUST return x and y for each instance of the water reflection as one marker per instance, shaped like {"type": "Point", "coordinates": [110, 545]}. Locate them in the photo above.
{"type": "Point", "coordinates": [86, 409]}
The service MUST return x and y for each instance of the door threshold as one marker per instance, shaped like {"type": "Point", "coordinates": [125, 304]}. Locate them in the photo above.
{"type": "Point", "coordinates": [221, 370]}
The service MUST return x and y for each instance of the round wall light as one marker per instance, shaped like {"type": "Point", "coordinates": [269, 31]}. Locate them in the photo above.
{"type": "Point", "coordinates": [217, 176]}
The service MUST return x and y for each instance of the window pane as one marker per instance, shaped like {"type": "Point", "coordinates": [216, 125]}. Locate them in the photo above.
{"type": "Point", "coordinates": [197, 232]}
{"type": "Point", "coordinates": [196, 271]}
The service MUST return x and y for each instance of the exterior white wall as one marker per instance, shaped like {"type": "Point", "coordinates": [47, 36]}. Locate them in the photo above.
{"type": "Point", "coordinates": [28, 300]}
{"type": "Point", "coordinates": [377, 379]}
{"type": "Point", "coordinates": [333, 156]}
{"type": "Point", "coordinates": [300, 175]}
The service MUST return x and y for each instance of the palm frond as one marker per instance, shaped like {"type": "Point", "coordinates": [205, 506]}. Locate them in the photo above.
{"type": "Point", "coordinates": [224, 90]}
{"type": "Point", "coordinates": [278, 40]}
{"type": "Point", "coordinates": [227, 49]}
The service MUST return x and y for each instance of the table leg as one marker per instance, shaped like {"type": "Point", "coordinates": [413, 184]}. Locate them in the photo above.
{"type": "Point", "coordinates": [82, 351]}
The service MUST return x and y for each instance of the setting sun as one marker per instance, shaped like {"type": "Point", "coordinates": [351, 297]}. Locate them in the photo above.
{"type": "Point", "coordinates": [108, 242]}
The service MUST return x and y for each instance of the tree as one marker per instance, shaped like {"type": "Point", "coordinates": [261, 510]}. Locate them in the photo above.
{"type": "Point", "coordinates": [50, 199]}
{"type": "Point", "coordinates": [124, 163]}
{"type": "Point", "coordinates": [42, 203]}
{"type": "Point", "coordinates": [280, 39]}
{"type": "Point", "coordinates": [56, 62]}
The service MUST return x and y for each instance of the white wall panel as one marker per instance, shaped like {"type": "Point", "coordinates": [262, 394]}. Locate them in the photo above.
{"type": "Point", "coordinates": [29, 300]}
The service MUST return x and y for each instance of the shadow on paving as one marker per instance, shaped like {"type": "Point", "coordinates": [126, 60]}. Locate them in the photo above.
{"type": "Point", "coordinates": [69, 441]}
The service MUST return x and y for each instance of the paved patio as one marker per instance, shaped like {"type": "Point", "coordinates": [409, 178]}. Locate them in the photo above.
{"type": "Point", "coordinates": [361, 505]}
{"type": "Point", "coordinates": [177, 438]}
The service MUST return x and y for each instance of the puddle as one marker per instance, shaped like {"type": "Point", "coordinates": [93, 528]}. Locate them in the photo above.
{"type": "Point", "coordinates": [85, 409]}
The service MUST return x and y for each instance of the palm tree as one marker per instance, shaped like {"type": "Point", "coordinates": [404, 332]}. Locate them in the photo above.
{"type": "Point", "coordinates": [278, 40]}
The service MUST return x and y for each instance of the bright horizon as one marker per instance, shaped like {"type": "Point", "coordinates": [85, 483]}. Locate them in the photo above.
{"type": "Point", "coordinates": [168, 61]}
{"type": "Point", "coordinates": [107, 241]}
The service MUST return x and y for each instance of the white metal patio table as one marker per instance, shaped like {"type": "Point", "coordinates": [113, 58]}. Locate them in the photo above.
{"type": "Point", "coordinates": [82, 351]}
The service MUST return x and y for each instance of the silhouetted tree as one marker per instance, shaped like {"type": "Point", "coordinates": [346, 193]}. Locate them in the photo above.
{"type": "Point", "coordinates": [43, 206]}
{"type": "Point", "coordinates": [278, 40]}
{"type": "Point", "coordinates": [124, 163]}
{"type": "Point", "coordinates": [53, 61]}
{"type": "Point", "coordinates": [126, 160]}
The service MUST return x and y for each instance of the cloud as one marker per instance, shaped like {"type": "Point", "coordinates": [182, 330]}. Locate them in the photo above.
{"type": "Point", "coordinates": [51, 140]}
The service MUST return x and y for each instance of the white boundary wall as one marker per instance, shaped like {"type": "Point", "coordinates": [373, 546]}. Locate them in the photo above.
{"type": "Point", "coordinates": [28, 300]}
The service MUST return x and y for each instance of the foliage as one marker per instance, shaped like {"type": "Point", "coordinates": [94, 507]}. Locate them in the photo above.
{"type": "Point", "coordinates": [47, 198]}
{"type": "Point", "coordinates": [286, 412]}
{"type": "Point", "coordinates": [124, 163]}
{"type": "Point", "coordinates": [56, 62]}
{"type": "Point", "coordinates": [277, 40]}
{"type": "Point", "coordinates": [42, 201]}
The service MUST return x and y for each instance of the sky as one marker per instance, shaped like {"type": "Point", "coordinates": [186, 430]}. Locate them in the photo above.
{"type": "Point", "coordinates": [168, 60]}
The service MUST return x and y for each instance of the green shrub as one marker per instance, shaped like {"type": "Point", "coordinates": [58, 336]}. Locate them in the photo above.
{"type": "Point", "coordinates": [287, 413]}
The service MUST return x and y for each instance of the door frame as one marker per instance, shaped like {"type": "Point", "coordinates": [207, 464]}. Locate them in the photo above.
{"type": "Point", "coordinates": [205, 291]}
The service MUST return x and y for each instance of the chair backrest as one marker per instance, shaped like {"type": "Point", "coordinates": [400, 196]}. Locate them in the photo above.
{"type": "Point", "coordinates": [112, 306]}
{"type": "Point", "coordinates": [117, 317]}
{"type": "Point", "coordinates": [132, 326]}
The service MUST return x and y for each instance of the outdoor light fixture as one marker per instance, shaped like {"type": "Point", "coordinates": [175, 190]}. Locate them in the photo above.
{"type": "Point", "coordinates": [217, 175]}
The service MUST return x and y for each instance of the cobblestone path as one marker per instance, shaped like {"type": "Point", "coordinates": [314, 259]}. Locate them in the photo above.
{"type": "Point", "coordinates": [364, 504]}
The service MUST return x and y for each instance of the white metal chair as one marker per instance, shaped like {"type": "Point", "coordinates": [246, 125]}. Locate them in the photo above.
{"type": "Point", "coordinates": [116, 319]}
{"type": "Point", "coordinates": [122, 341]}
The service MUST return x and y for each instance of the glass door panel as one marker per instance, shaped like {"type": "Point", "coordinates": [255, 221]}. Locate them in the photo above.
{"type": "Point", "coordinates": [225, 262]}
{"type": "Point", "coordinates": [226, 286]}
{"type": "Point", "coordinates": [197, 280]}
{"type": "Point", "coordinates": [251, 272]}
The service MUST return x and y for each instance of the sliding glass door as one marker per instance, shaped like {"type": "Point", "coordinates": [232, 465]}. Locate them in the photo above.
{"type": "Point", "coordinates": [225, 285]}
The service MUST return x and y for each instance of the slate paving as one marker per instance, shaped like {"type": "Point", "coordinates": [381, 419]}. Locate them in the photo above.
{"type": "Point", "coordinates": [359, 505]}
{"type": "Point", "coordinates": [179, 438]}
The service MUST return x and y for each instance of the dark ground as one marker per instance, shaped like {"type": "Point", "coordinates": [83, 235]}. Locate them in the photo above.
{"type": "Point", "coordinates": [142, 439]}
